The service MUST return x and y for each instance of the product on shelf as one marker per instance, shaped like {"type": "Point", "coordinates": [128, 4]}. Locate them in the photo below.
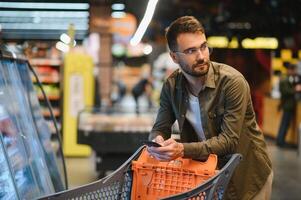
{"type": "Point", "coordinates": [117, 123]}
{"type": "Point", "coordinates": [48, 72]}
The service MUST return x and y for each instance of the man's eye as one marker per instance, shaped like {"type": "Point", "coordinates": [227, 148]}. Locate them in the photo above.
{"type": "Point", "coordinates": [191, 51]}
{"type": "Point", "coordinates": [203, 47]}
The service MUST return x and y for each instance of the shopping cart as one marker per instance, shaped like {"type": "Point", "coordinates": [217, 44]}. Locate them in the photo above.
{"type": "Point", "coordinates": [118, 185]}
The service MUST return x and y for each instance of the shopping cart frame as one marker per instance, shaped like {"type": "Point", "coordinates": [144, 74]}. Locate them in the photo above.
{"type": "Point", "coordinates": [118, 184]}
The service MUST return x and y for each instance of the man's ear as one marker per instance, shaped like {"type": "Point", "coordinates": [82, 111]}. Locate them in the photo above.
{"type": "Point", "coordinates": [174, 57]}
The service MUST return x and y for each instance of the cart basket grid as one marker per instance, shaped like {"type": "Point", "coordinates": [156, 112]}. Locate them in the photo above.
{"type": "Point", "coordinates": [118, 185]}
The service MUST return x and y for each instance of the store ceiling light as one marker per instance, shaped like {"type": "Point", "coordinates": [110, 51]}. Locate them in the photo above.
{"type": "Point", "coordinates": [147, 49]}
{"type": "Point", "coordinates": [144, 23]}
{"type": "Point", "coordinates": [49, 14]}
{"type": "Point", "coordinates": [118, 14]}
{"type": "Point", "coordinates": [65, 38]}
{"type": "Point", "coordinates": [118, 6]}
{"type": "Point", "coordinates": [56, 6]}
{"type": "Point", "coordinates": [42, 20]}
{"type": "Point", "coordinates": [62, 47]}
{"type": "Point", "coordinates": [36, 20]}
{"type": "Point", "coordinates": [33, 26]}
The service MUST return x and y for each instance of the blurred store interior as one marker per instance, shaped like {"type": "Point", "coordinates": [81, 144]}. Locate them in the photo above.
{"type": "Point", "coordinates": [89, 55]}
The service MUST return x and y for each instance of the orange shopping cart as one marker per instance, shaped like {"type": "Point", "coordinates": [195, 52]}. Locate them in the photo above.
{"type": "Point", "coordinates": [142, 177]}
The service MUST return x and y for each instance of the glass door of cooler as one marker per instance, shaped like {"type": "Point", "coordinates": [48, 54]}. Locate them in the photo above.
{"type": "Point", "coordinates": [21, 143]}
{"type": "Point", "coordinates": [54, 160]}
{"type": "Point", "coordinates": [8, 190]}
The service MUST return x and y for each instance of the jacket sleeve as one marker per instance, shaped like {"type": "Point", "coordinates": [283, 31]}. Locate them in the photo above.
{"type": "Point", "coordinates": [237, 97]}
{"type": "Point", "coordinates": [165, 117]}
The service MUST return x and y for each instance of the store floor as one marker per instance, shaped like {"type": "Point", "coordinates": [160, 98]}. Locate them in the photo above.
{"type": "Point", "coordinates": [287, 172]}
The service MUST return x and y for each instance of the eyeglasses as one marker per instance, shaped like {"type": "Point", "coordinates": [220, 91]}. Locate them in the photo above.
{"type": "Point", "coordinates": [195, 50]}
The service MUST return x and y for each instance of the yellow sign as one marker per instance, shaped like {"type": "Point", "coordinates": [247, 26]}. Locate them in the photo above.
{"type": "Point", "coordinates": [247, 43]}
{"type": "Point", "coordinates": [277, 64]}
{"type": "Point", "coordinates": [78, 93]}
{"type": "Point", "coordinates": [233, 44]}
{"type": "Point", "coordinates": [260, 43]}
{"type": "Point", "coordinates": [218, 41]}
{"type": "Point", "coordinates": [286, 54]}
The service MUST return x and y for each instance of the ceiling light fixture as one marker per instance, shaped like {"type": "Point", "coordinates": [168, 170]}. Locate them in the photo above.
{"type": "Point", "coordinates": [57, 6]}
{"type": "Point", "coordinates": [65, 38]}
{"type": "Point", "coordinates": [62, 47]}
{"type": "Point", "coordinates": [118, 14]}
{"type": "Point", "coordinates": [118, 6]}
{"type": "Point", "coordinates": [144, 23]}
{"type": "Point", "coordinates": [33, 26]}
{"type": "Point", "coordinates": [147, 49]}
{"type": "Point", "coordinates": [48, 14]}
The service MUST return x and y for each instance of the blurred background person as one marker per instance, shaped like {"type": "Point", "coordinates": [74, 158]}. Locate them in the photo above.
{"type": "Point", "coordinates": [289, 87]}
{"type": "Point", "coordinates": [143, 87]}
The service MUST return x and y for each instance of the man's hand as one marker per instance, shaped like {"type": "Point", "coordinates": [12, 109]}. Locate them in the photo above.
{"type": "Point", "coordinates": [170, 149]}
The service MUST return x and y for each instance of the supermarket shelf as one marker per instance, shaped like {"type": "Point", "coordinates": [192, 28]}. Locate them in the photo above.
{"type": "Point", "coordinates": [50, 124]}
{"type": "Point", "coordinates": [45, 61]}
{"type": "Point", "coordinates": [47, 81]}
{"type": "Point", "coordinates": [48, 72]}
{"type": "Point", "coordinates": [56, 113]}
{"type": "Point", "coordinates": [51, 97]}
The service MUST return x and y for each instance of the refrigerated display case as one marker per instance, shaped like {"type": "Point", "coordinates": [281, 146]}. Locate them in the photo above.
{"type": "Point", "coordinates": [54, 158]}
{"type": "Point", "coordinates": [48, 71]}
{"type": "Point", "coordinates": [113, 135]}
{"type": "Point", "coordinates": [28, 165]}
{"type": "Point", "coordinates": [6, 182]}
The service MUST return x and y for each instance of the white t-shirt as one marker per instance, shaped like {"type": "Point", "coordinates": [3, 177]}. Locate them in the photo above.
{"type": "Point", "coordinates": [193, 115]}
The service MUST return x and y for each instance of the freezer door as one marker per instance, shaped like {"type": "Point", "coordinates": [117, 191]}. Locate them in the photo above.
{"type": "Point", "coordinates": [8, 190]}
{"type": "Point", "coordinates": [21, 142]}
{"type": "Point", "coordinates": [54, 160]}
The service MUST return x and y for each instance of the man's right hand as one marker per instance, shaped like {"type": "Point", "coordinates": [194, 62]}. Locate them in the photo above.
{"type": "Point", "coordinates": [159, 139]}
{"type": "Point", "coordinates": [170, 149]}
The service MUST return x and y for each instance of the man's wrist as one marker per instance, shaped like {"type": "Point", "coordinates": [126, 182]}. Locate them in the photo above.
{"type": "Point", "coordinates": [181, 149]}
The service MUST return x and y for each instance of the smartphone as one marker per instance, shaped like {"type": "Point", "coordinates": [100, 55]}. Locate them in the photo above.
{"type": "Point", "coordinates": [151, 144]}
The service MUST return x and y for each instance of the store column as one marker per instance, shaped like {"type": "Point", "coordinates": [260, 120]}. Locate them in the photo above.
{"type": "Point", "coordinates": [100, 22]}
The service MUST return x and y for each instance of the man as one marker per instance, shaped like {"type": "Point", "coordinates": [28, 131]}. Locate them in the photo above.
{"type": "Point", "coordinates": [212, 105]}
{"type": "Point", "coordinates": [289, 86]}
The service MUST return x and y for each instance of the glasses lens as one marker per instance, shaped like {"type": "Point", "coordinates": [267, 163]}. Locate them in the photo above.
{"type": "Point", "coordinates": [210, 50]}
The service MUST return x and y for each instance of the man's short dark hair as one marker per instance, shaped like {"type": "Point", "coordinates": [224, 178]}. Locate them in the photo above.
{"type": "Point", "coordinates": [185, 24]}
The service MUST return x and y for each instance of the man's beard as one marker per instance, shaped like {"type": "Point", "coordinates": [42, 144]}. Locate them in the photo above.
{"type": "Point", "coordinates": [191, 70]}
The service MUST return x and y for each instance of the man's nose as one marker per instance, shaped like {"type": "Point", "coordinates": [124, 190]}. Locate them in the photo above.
{"type": "Point", "coordinates": [200, 54]}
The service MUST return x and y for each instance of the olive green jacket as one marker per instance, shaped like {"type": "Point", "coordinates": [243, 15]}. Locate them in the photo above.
{"type": "Point", "coordinates": [228, 121]}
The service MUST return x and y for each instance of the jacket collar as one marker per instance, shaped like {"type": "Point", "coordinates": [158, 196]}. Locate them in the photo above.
{"type": "Point", "coordinates": [211, 76]}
